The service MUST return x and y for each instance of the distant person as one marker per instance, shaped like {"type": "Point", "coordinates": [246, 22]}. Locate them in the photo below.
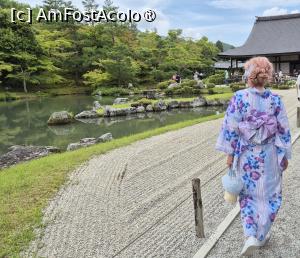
{"type": "Point", "coordinates": [298, 86]}
{"type": "Point", "coordinates": [174, 77]}
{"type": "Point", "coordinates": [295, 73]}
{"type": "Point", "coordinates": [226, 76]}
{"type": "Point", "coordinates": [256, 137]}
{"type": "Point", "coordinates": [280, 76]}
{"type": "Point", "coordinates": [196, 76]}
{"type": "Point", "coordinates": [277, 78]}
{"type": "Point", "coordinates": [178, 78]}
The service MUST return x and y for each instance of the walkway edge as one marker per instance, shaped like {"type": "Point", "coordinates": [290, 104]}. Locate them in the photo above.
{"type": "Point", "coordinates": [213, 239]}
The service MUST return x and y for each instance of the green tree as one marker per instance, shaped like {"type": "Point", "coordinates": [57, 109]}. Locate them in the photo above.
{"type": "Point", "coordinates": [219, 45]}
{"type": "Point", "coordinates": [53, 4]}
{"type": "Point", "coordinates": [90, 5]}
{"type": "Point", "coordinates": [117, 69]}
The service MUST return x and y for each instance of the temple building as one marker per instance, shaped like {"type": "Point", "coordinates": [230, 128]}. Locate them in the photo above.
{"type": "Point", "coordinates": [276, 37]}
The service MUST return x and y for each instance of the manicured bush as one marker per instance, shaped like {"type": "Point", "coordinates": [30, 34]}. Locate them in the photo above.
{"type": "Point", "coordinates": [142, 102]}
{"type": "Point", "coordinates": [217, 78]}
{"type": "Point", "coordinates": [290, 83]}
{"type": "Point", "coordinates": [210, 85]}
{"type": "Point", "coordinates": [197, 91]}
{"type": "Point", "coordinates": [188, 83]}
{"type": "Point", "coordinates": [164, 85]}
{"type": "Point", "coordinates": [283, 87]}
{"type": "Point", "coordinates": [237, 86]}
{"type": "Point", "coordinates": [210, 91]}
{"type": "Point", "coordinates": [113, 91]}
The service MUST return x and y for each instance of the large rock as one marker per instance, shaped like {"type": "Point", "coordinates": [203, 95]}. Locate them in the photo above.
{"type": "Point", "coordinates": [105, 137]}
{"type": "Point", "coordinates": [96, 105]}
{"type": "Point", "coordinates": [185, 104]}
{"type": "Point", "coordinates": [87, 114]}
{"type": "Point", "coordinates": [224, 102]}
{"type": "Point", "coordinates": [19, 153]}
{"type": "Point", "coordinates": [173, 85]}
{"type": "Point", "coordinates": [152, 94]}
{"type": "Point", "coordinates": [89, 141]}
{"type": "Point", "coordinates": [74, 146]}
{"type": "Point", "coordinates": [200, 84]}
{"type": "Point", "coordinates": [213, 102]}
{"type": "Point", "coordinates": [198, 102]}
{"type": "Point", "coordinates": [110, 111]}
{"type": "Point", "coordinates": [149, 108]}
{"type": "Point", "coordinates": [130, 85]}
{"type": "Point", "coordinates": [120, 100]}
{"type": "Point", "coordinates": [173, 104]}
{"type": "Point", "coordinates": [140, 109]}
{"type": "Point", "coordinates": [85, 142]}
{"type": "Point", "coordinates": [60, 118]}
{"type": "Point", "coordinates": [159, 106]}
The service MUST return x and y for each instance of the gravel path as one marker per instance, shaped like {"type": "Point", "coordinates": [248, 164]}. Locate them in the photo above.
{"type": "Point", "coordinates": [136, 201]}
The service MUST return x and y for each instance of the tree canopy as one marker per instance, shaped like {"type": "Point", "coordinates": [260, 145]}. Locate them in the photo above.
{"type": "Point", "coordinates": [105, 54]}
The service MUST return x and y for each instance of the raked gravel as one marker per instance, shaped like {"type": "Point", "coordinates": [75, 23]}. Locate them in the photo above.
{"type": "Point", "coordinates": [136, 201]}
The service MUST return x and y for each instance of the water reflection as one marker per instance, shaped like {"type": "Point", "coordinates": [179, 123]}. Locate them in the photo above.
{"type": "Point", "coordinates": [25, 122]}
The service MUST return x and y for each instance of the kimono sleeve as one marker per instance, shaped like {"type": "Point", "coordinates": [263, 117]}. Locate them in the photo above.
{"type": "Point", "coordinates": [283, 135]}
{"type": "Point", "coordinates": [229, 135]}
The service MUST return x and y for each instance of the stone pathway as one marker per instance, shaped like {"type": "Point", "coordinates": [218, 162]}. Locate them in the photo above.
{"type": "Point", "coordinates": [136, 201]}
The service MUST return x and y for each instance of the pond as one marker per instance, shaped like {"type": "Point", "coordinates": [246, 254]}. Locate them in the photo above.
{"type": "Point", "coordinates": [25, 121]}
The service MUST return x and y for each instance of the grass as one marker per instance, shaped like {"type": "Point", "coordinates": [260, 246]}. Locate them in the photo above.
{"type": "Point", "coordinates": [180, 99]}
{"type": "Point", "coordinates": [26, 188]}
{"type": "Point", "coordinates": [220, 96]}
{"type": "Point", "coordinates": [217, 90]}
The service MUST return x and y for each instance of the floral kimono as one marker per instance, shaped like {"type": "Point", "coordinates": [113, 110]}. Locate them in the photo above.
{"type": "Point", "coordinates": [256, 132]}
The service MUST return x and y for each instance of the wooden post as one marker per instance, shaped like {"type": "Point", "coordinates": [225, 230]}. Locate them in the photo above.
{"type": "Point", "coordinates": [298, 117]}
{"type": "Point", "coordinates": [198, 209]}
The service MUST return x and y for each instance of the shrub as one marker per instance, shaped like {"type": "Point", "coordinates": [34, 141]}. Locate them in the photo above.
{"type": "Point", "coordinates": [290, 83]}
{"type": "Point", "coordinates": [210, 85]}
{"type": "Point", "coordinates": [188, 83]}
{"type": "Point", "coordinates": [210, 91]}
{"type": "Point", "coordinates": [164, 85]}
{"type": "Point", "coordinates": [237, 86]}
{"type": "Point", "coordinates": [197, 91]}
{"type": "Point", "coordinates": [217, 78]}
{"type": "Point", "coordinates": [283, 87]}
{"type": "Point", "coordinates": [112, 91]}
{"type": "Point", "coordinates": [144, 102]}
{"type": "Point", "coordinates": [183, 90]}
{"type": "Point", "coordinates": [274, 86]}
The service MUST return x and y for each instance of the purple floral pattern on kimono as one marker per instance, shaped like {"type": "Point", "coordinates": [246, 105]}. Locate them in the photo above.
{"type": "Point", "coordinates": [258, 163]}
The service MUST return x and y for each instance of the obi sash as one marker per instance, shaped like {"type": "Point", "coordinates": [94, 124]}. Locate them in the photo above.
{"type": "Point", "coordinates": [258, 129]}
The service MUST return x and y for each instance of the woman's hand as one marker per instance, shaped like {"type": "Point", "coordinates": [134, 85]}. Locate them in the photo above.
{"type": "Point", "coordinates": [229, 160]}
{"type": "Point", "coordinates": [285, 164]}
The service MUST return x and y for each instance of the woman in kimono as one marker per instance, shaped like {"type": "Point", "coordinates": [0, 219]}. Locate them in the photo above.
{"type": "Point", "coordinates": [256, 137]}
